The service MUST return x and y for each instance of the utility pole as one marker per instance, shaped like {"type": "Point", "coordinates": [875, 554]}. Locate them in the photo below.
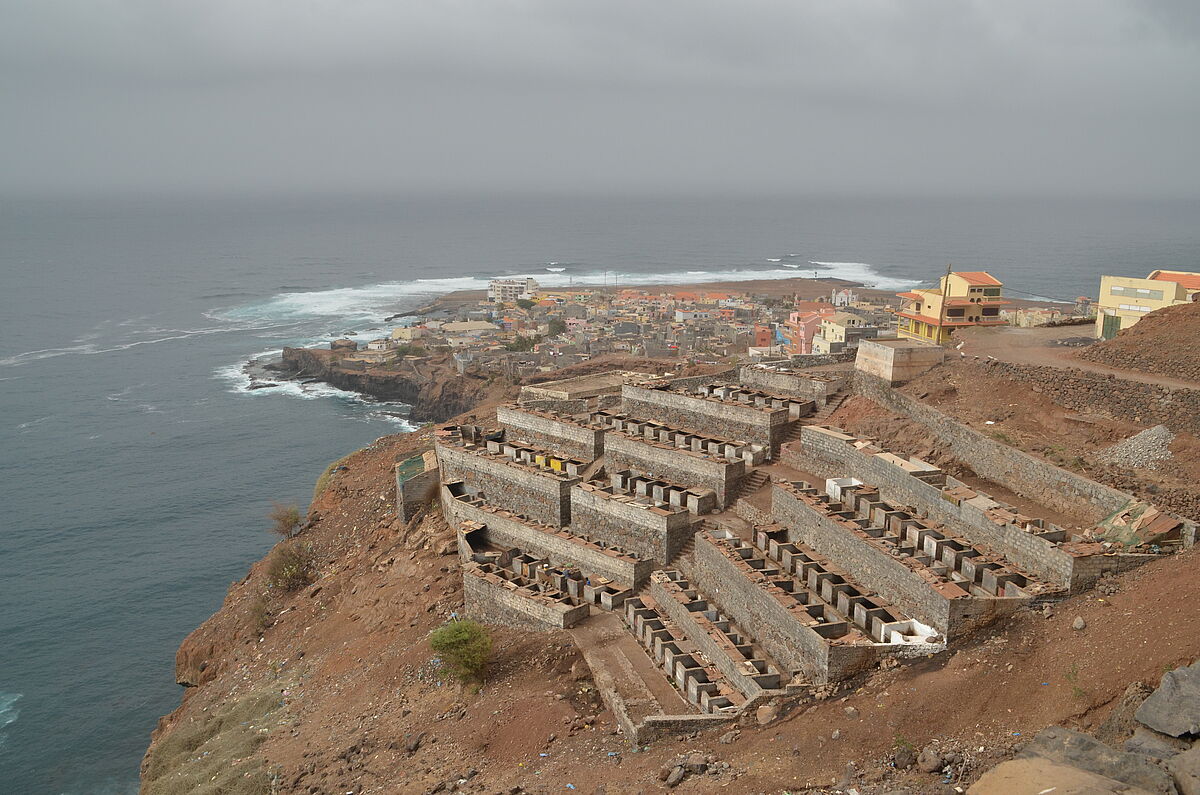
{"type": "Point", "coordinates": [942, 308]}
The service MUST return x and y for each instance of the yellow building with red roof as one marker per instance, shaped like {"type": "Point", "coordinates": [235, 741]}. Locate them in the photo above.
{"type": "Point", "coordinates": [961, 299]}
{"type": "Point", "coordinates": [1124, 300]}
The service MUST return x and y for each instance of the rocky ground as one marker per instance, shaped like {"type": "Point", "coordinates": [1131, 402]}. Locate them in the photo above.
{"type": "Point", "coordinates": [333, 689]}
{"type": "Point", "coordinates": [1018, 415]}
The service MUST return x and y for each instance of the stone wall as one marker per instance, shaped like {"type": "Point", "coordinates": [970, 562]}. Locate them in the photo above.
{"type": "Point", "coordinates": [687, 468]}
{"type": "Point", "coordinates": [413, 494]}
{"type": "Point", "coordinates": [708, 416]}
{"type": "Point", "coordinates": [651, 533]}
{"type": "Point", "coordinates": [557, 406]}
{"type": "Point", "coordinates": [830, 454]}
{"type": "Point", "coordinates": [1022, 473]}
{"type": "Point", "coordinates": [897, 361]}
{"type": "Point", "coordinates": [560, 547]}
{"type": "Point", "coordinates": [536, 493]}
{"type": "Point", "coordinates": [1107, 395]}
{"type": "Point", "coordinates": [893, 580]}
{"type": "Point", "coordinates": [494, 603]}
{"type": "Point", "coordinates": [821, 359]}
{"type": "Point", "coordinates": [557, 434]}
{"type": "Point", "coordinates": [685, 621]}
{"type": "Point", "coordinates": [794, 384]}
{"type": "Point", "coordinates": [793, 645]}
{"type": "Point", "coordinates": [693, 381]}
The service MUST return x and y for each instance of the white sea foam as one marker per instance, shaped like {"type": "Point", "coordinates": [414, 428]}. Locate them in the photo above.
{"type": "Point", "coordinates": [240, 383]}
{"type": "Point", "coordinates": [860, 272]}
{"type": "Point", "coordinates": [8, 711]}
{"type": "Point", "coordinates": [774, 259]}
{"type": "Point", "coordinates": [90, 349]}
{"type": "Point", "coordinates": [556, 270]}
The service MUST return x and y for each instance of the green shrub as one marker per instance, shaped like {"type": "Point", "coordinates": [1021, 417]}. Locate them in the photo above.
{"type": "Point", "coordinates": [285, 519]}
{"type": "Point", "coordinates": [261, 616]}
{"type": "Point", "coordinates": [464, 647]}
{"type": "Point", "coordinates": [291, 567]}
{"type": "Point", "coordinates": [323, 480]}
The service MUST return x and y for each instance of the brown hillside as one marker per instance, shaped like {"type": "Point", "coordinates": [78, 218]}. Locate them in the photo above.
{"type": "Point", "coordinates": [1166, 342]}
{"type": "Point", "coordinates": [332, 689]}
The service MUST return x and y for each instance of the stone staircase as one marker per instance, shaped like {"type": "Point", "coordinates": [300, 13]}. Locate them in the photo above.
{"type": "Point", "coordinates": [818, 418]}
{"type": "Point", "coordinates": [752, 483]}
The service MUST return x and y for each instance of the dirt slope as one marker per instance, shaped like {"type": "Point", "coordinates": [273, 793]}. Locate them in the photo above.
{"type": "Point", "coordinates": [339, 694]}
{"type": "Point", "coordinates": [1166, 342]}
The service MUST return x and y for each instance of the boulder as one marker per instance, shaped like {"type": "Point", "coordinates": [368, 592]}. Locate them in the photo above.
{"type": "Point", "coordinates": [929, 760]}
{"type": "Point", "coordinates": [1174, 708]}
{"type": "Point", "coordinates": [1157, 746]}
{"type": "Point", "coordinates": [766, 713]}
{"type": "Point", "coordinates": [904, 758]}
{"type": "Point", "coordinates": [1034, 776]}
{"type": "Point", "coordinates": [676, 777]}
{"type": "Point", "coordinates": [1185, 768]}
{"type": "Point", "coordinates": [1076, 749]}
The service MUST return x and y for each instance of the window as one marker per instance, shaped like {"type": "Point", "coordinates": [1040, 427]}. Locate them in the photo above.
{"type": "Point", "coordinates": [959, 312]}
{"type": "Point", "coordinates": [1135, 308]}
{"type": "Point", "coordinates": [993, 291]}
{"type": "Point", "coordinates": [1137, 292]}
{"type": "Point", "coordinates": [991, 311]}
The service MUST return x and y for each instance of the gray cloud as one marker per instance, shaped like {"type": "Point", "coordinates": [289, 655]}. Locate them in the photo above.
{"type": "Point", "coordinates": [798, 96]}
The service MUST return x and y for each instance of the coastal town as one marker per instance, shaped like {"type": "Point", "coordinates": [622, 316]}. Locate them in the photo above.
{"type": "Point", "coordinates": [834, 520]}
{"type": "Point", "coordinates": [519, 327]}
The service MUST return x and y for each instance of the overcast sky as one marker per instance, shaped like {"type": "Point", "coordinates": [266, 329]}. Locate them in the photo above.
{"type": "Point", "coordinates": [910, 97]}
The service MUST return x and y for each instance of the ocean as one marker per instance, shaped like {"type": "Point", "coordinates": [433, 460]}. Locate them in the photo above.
{"type": "Point", "coordinates": [137, 468]}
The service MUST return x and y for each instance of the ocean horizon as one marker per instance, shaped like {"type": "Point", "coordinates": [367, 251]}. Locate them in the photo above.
{"type": "Point", "coordinates": [139, 465]}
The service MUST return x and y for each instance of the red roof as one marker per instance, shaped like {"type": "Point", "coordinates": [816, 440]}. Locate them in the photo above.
{"type": "Point", "coordinates": [979, 278]}
{"type": "Point", "coordinates": [913, 296]}
{"type": "Point", "coordinates": [1188, 281]}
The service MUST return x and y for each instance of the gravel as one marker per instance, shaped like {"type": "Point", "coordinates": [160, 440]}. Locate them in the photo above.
{"type": "Point", "coordinates": [1141, 451]}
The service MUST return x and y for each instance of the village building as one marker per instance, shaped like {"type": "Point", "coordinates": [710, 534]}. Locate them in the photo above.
{"type": "Point", "coordinates": [1125, 299]}
{"type": "Point", "coordinates": [961, 299]}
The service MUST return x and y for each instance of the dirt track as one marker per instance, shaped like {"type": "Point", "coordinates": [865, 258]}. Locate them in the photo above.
{"type": "Point", "coordinates": [1037, 346]}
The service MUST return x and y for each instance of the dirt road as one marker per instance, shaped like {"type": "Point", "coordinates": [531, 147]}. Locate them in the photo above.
{"type": "Point", "coordinates": [1038, 346]}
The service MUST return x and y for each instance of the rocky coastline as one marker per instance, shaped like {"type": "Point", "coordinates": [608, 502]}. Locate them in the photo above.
{"type": "Point", "coordinates": [434, 389]}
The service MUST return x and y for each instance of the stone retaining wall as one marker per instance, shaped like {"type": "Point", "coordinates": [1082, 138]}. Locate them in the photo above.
{"type": "Point", "coordinates": [793, 645]}
{"type": "Point", "coordinates": [706, 415]}
{"type": "Point", "coordinates": [793, 384]}
{"type": "Point", "coordinates": [560, 548]}
{"type": "Point", "coordinates": [893, 580]}
{"type": "Point", "coordinates": [536, 493]}
{"type": "Point", "coordinates": [1022, 473]}
{"type": "Point", "coordinates": [831, 454]}
{"type": "Point", "coordinates": [687, 468]}
{"type": "Point", "coordinates": [651, 533]}
{"type": "Point", "coordinates": [493, 603]}
{"type": "Point", "coordinates": [558, 434]}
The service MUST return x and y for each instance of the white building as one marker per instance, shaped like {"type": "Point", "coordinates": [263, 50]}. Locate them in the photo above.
{"type": "Point", "coordinates": [506, 291]}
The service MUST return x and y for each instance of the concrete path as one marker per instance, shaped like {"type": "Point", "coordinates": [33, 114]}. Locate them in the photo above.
{"type": "Point", "coordinates": [618, 662]}
{"type": "Point", "coordinates": [1037, 346]}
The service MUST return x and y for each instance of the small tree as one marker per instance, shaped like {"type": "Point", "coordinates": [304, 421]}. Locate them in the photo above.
{"type": "Point", "coordinates": [464, 647]}
{"type": "Point", "coordinates": [557, 327]}
{"type": "Point", "coordinates": [285, 519]}
{"type": "Point", "coordinates": [525, 303]}
{"type": "Point", "coordinates": [291, 567]}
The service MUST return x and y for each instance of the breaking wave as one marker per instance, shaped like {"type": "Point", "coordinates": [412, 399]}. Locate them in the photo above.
{"type": "Point", "coordinates": [8, 711]}
{"type": "Point", "coordinates": [241, 382]}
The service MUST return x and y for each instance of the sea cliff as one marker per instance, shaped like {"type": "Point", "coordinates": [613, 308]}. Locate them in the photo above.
{"type": "Point", "coordinates": [432, 386]}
